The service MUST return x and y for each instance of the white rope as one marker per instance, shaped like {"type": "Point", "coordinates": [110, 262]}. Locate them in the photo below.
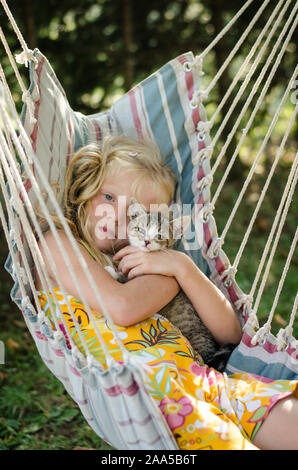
{"type": "Point", "coordinates": [27, 52]}
{"type": "Point", "coordinates": [226, 28]}
{"type": "Point", "coordinates": [282, 336]}
{"type": "Point", "coordinates": [26, 97]}
{"type": "Point", "coordinates": [30, 237]}
{"type": "Point", "coordinates": [38, 261]}
{"type": "Point", "coordinates": [254, 89]}
{"type": "Point", "coordinates": [259, 101]}
{"type": "Point", "coordinates": [274, 225]}
{"type": "Point", "coordinates": [283, 276]}
{"type": "Point", "coordinates": [19, 208]}
{"type": "Point", "coordinates": [253, 316]}
{"type": "Point", "coordinates": [242, 68]}
{"type": "Point", "coordinates": [16, 237]}
{"type": "Point", "coordinates": [293, 313]}
{"type": "Point", "coordinates": [66, 228]}
{"type": "Point", "coordinates": [270, 175]}
{"type": "Point", "coordinates": [260, 335]}
{"type": "Point", "coordinates": [240, 42]}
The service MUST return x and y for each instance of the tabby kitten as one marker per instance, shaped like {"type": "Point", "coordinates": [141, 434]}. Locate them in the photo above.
{"type": "Point", "coordinates": [157, 231]}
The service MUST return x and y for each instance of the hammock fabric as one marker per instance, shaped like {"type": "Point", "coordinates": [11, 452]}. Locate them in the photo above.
{"type": "Point", "coordinates": [162, 108]}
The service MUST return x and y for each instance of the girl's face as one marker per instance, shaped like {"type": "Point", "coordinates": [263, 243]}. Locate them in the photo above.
{"type": "Point", "coordinates": [109, 206]}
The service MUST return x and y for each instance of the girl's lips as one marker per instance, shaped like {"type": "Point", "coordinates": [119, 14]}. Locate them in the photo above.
{"type": "Point", "coordinates": [109, 233]}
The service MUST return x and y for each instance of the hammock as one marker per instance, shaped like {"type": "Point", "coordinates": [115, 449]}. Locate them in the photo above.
{"type": "Point", "coordinates": [168, 108]}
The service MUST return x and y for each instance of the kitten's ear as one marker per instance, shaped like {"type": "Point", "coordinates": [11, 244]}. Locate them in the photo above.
{"type": "Point", "coordinates": [133, 201]}
{"type": "Point", "coordinates": [180, 225]}
{"type": "Point", "coordinates": [135, 209]}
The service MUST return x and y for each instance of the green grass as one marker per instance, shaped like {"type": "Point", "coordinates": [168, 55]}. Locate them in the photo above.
{"type": "Point", "coordinates": [35, 410]}
{"type": "Point", "coordinates": [254, 249]}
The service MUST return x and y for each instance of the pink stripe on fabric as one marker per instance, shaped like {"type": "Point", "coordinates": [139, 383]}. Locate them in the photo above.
{"type": "Point", "coordinates": [135, 115]}
{"type": "Point", "coordinates": [27, 186]}
{"type": "Point", "coordinates": [268, 347]}
{"type": "Point", "coordinates": [97, 131]}
{"type": "Point", "coordinates": [188, 77]}
{"type": "Point", "coordinates": [74, 371]}
{"type": "Point", "coordinates": [58, 352]}
{"type": "Point", "coordinates": [246, 340]}
{"type": "Point", "coordinates": [189, 81]}
{"type": "Point", "coordinates": [46, 360]}
{"type": "Point", "coordinates": [232, 293]}
{"type": "Point", "coordinates": [68, 141]}
{"type": "Point", "coordinates": [200, 174]}
{"type": "Point", "coordinates": [119, 390]}
{"type": "Point", "coordinates": [135, 421]}
{"type": "Point", "coordinates": [40, 335]}
{"type": "Point", "coordinates": [52, 140]}
{"type": "Point", "coordinates": [207, 235]}
{"type": "Point", "coordinates": [33, 135]}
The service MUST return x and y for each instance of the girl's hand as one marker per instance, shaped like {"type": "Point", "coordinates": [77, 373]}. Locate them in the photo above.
{"type": "Point", "coordinates": [135, 262]}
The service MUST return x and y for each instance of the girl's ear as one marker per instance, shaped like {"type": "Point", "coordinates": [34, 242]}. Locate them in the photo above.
{"type": "Point", "coordinates": [135, 209]}
{"type": "Point", "coordinates": [180, 225]}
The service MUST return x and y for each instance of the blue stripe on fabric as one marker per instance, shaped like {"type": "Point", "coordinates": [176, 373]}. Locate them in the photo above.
{"type": "Point", "coordinates": [160, 129]}
{"type": "Point", "coordinates": [178, 119]}
{"type": "Point", "coordinates": [158, 120]}
{"type": "Point", "coordinates": [80, 130]}
{"type": "Point", "coordinates": [254, 365]}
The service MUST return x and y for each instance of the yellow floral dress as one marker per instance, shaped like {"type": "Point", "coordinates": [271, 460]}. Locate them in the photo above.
{"type": "Point", "coordinates": [204, 409]}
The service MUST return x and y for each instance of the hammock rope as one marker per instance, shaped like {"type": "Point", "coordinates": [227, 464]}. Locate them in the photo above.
{"type": "Point", "coordinates": [260, 333]}
{"type": "Point", "coordinates": [36, 252]}
{"type": "Point", "coordinates": [243, 66]}
{"type": "Point", "coordinates": [266, 185]}
{"type": "Point", "coordinates": [249, 99]}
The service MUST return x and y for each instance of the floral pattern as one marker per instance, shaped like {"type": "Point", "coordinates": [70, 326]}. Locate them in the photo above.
{"type": "Point", "coordinates": [176, 410]}
{"type": "Point", "coordinates": [203, 408]}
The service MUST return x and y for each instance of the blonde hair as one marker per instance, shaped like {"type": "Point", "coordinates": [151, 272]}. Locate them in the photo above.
{"type": "Point", "coordinates": [88, 169]}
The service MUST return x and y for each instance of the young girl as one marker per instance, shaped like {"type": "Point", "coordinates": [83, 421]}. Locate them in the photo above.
{"type": "Point", "coordinates": [98, 188]}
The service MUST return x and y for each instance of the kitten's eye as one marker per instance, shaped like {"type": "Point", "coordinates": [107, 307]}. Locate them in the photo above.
{"type": "Point", "coordinates": [159, 237]}
{"type": "Point", "coordinates": [140, 230]}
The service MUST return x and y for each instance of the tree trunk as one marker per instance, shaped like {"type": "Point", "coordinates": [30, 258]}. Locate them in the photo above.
{"type": "Point", "coordinates": [29, 24]}
{"type": "Point", "coordinates": [128, 43]}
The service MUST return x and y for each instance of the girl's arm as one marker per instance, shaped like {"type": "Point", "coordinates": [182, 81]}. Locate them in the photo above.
{"type": "Point", "coordinates": [209, 302]}
{"type": "Point", "coordinates": [126, 303]}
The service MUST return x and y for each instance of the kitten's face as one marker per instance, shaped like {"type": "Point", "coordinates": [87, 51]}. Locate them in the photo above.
{"type": "Point", "coordinates": [151, 231]}
{"type": "Point", "coordinates": [148, 232]}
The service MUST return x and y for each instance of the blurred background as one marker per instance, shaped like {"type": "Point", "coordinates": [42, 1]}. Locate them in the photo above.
{"type": "Point", "coordinates": [99, 49]}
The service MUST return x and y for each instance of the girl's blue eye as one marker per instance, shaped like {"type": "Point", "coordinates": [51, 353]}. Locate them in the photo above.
{"type": "Point", "coordinates": [108, 197]}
